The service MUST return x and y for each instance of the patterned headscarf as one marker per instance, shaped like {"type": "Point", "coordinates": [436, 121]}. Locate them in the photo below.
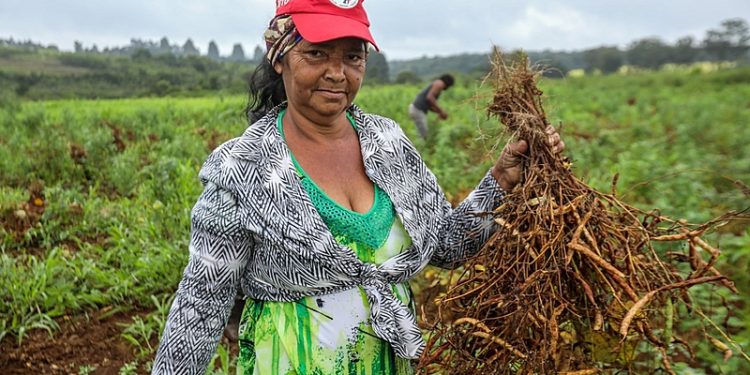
{"type": "Point", "coordinates": [280, 37]}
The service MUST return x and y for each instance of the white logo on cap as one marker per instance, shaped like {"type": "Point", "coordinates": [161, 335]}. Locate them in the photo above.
{"type": "Point", "coordinates": [345, 4]}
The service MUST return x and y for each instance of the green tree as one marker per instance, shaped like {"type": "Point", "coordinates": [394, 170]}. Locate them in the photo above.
{"type": "Point", "coordinates": [731, 42]}
{"type": "Point", "coordinates": [162, 87]}
{"type": "Point", "coordinates": [164, 46]}
{"type": "Point", "coordinates": [238, 54]}
{"type": "Point", "coordinates": [648, 53]}
{"type": "Point", "coordinates": [604, 59]}
{"type": "Point", "coordinates": [141, 54]}
{"type": "Point", "coordinates": [213, 51]}
{"type": "Point", "coordinates": [684, 50]}
{"type": "Point", "coordinates": [408, 77]}
{"type": "Point", "coordinates": [377, 68]}
{"type": "Point", "coordinates": [189, 49]}
{"type": "Point", "coordinates": [258, 54]}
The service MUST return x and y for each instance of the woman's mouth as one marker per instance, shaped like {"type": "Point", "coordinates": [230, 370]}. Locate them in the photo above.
{"type": "Point", "coordinates": [333, 94]}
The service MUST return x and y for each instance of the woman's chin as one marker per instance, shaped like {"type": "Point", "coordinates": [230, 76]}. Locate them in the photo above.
{"type": "Point", "coordinates": [331, 108]}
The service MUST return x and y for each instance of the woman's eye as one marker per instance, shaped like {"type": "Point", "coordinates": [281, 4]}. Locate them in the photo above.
{"type": "Point", "coordinates": [315, 53]}
{"type": "Point", "coordinates": [357, 58]}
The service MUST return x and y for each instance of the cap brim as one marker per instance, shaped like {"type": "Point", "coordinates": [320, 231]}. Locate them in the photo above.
{"type": "Point", "coordinates": [318, 28]}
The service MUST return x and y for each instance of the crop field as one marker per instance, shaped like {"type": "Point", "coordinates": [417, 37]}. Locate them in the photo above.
{"type": "Point", "coordinates": [95, 200]}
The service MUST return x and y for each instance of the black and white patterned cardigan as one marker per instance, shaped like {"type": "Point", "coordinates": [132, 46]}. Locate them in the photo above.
{"type": "Point", "coordinates": [254, 227]}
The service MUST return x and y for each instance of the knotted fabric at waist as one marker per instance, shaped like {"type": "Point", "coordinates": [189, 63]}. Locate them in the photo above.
{"type": "Point", "coordinates": [392, 321]}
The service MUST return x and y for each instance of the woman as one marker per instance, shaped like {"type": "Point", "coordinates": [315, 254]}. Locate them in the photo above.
{"type": "Point", "coordinates": [321, 214]}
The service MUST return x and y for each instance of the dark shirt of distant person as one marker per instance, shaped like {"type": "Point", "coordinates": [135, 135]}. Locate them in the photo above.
{"type": "Point", "coordinates": [427, 100]}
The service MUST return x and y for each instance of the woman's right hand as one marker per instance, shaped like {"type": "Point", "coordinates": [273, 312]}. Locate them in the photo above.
{"type": "Point", "coordinates": [507, 170]}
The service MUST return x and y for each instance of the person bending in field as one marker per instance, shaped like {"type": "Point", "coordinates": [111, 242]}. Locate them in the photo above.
{"type": "Point", "coordinates": [320, 214]}
{"type": "Point", "coordinates": [427, 100]}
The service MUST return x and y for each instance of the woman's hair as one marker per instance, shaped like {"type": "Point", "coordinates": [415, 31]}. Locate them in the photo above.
{"type": "Point", "coordinates": [447, 79]}
{"type": "Point", "coordinates": [266, 91]}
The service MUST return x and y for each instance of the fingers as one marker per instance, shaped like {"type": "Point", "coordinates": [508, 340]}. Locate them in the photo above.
{"type": "Point", "coordinates": [554, 140]}
{"type": "Point", "coordinates": [518, 148]}
{"type": "Point", "coordinates": [512, 154]}
{"type": "Point", "coordinates": [558, 147]}
{"type": "Point", "coordinates": [552, 137]}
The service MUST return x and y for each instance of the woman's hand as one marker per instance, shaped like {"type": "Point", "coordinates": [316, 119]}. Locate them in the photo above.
{"type": "Point", "coordinates": [508, 168]}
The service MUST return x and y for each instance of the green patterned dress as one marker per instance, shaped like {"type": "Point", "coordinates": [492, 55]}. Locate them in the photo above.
{"type": "Point", "coordinates": [329, 334]}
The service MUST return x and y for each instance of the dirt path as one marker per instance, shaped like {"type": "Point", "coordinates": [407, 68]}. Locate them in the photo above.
{"type": "Point", "coordinates": [92, 341]}
{"type": "Point", "coordinates": [81, 341]}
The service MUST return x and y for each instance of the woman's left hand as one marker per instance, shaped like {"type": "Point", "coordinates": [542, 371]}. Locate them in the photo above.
{"type": "Point", "coordinates": [508, 168]}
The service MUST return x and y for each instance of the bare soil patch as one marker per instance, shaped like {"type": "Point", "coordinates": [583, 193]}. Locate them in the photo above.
{"type": "Point", "coordinates": [81, 341]}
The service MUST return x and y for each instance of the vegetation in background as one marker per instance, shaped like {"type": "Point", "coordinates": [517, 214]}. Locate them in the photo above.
{"type": "Point", "coordinates": [146, 68]}
{"type": "Point", "coordinates": [729, 42]}
{"type": "Point", "coordinates": [44, 75]}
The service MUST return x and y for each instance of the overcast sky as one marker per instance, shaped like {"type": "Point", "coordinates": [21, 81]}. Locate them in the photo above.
{"type": "Point", "coordinates": [403, 28]}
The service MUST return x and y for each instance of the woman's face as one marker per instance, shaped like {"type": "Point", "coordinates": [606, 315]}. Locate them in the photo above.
{"type": "Point", "coordinates": [322, 79]}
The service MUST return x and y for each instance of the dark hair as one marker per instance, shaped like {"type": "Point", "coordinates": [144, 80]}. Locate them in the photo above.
{"type": "Point", "coordinates": [448, 80]}
{"type": "Point", "coordinates": [266, 91]}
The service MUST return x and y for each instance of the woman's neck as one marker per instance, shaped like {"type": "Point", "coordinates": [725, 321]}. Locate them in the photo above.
{"type": "Point", "coordinates": [324, 131]}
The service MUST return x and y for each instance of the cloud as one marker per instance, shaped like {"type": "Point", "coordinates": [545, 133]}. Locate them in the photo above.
{"type": "Point", "coordinates": [404, 29]}
{"type": "Point", "coordinates": [114, 23]}
{"type": "Point", "coordinates": [557, 26]}
{"type": "Point", "coordinates": [554, 19]}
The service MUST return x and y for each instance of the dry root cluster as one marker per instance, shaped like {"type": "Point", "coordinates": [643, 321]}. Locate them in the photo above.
{"type": "Point", "coordinates": [574, 279]}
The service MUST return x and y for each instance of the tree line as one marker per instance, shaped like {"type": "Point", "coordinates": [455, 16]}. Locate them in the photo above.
{"type": "Point", "coordinates": [165, 47]}
{"type": "Point", "coordinates": [140, 46]}
{"type": "Point", "coordinates": [729, 42]}
{"type": "Point", "coordinates": [36, 72]}
{"type": "Point", "coordinates": [142, 68]}
{"type": "Point", "coordinates": [145, 68]}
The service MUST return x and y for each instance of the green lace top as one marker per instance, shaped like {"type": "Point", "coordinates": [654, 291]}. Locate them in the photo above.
{"type": "Point", "coordinates": [347, 226]}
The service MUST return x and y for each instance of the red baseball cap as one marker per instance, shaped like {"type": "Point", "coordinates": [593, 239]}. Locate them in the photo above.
{"type": "Point", "coordinates": [323, 20]}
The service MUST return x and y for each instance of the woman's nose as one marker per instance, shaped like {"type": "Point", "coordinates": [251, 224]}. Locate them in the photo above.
{"type": "Point", "coordinates": [335, 68]}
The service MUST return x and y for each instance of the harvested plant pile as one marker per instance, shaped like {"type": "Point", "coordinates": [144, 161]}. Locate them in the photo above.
{"type": "Point", "coordinates": [574, 279]}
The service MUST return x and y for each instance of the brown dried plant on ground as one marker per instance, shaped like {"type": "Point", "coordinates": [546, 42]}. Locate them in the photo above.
{"type": "Point", "coordinates": [574, 279]}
